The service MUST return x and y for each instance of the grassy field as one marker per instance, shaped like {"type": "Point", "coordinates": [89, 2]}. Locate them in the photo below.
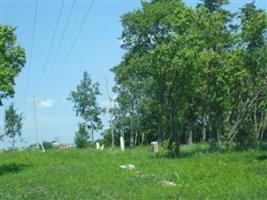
{"type": "Point", "coordinates": [88, 174]}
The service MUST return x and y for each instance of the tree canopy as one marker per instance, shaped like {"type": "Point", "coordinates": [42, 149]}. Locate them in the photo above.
{"type": "Point", "coordinates": [13, 124]}
{"type": "Point", "coordinates": [85, 105]}
{"type": "Point", "coordinates": [12, 60]}
{"type": "Point", "coordinates": [192, 74]}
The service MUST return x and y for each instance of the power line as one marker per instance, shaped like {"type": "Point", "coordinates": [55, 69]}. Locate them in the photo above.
{"type": "Point", "coordinates": [60, 42]}
{"type": "Point", "coordinates": [32, 40]}
{"type": "Point", "coordinates": [73, 43]}
{"type": "Point", "coordinates": [31, 49]}
{"type": "Point", "coordinates": [51, 42]}
{"type": "Point", "coordinates": [110, 102]}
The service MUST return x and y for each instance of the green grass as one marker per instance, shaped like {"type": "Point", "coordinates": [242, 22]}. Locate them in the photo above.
{"type": "Point", "coordinates": [88, 174]}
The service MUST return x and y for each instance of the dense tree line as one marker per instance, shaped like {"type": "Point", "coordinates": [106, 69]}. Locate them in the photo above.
{"type": "Point", "coordinates": [192, 74]}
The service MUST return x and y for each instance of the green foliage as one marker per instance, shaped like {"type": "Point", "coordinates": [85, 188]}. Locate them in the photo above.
{"type": "Point", "coordinates": [85, 104]}
{"type": "Point", "coordinates": [107, 138]}
{"type": "Point", "coordinates": [192, 73]}
{"type": "Point", "coordinates": [81, 137]}
{"type": "Point", "coordinates": [47, 145]}
{"type": "Point", "coordinates": [12, 59]}
{"type": "Point", "coordinates": [213, 5]}
{"type": "Point", "coordinates": [13, 124]}
{"type": "Point", "coordinates": [96, 175]}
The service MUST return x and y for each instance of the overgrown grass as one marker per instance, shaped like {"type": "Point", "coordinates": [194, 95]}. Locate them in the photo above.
{"type": "Point", "coordinates": [90, 174]}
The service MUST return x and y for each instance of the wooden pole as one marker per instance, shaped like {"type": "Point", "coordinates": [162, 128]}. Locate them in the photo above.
{"type": "Point", "coordinates": [36, 126]}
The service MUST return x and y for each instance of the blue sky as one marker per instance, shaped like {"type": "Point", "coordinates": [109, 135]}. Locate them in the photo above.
{"type": "Point", "coordinates": [96, 50]}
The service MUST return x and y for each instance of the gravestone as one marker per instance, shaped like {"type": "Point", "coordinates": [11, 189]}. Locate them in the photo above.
{"type": "Point", "coordinates": [97, 146]}
{"type": "Point", "coordinates": [122, 144]}
{"type": "Point", "coordinates": [154, 146]}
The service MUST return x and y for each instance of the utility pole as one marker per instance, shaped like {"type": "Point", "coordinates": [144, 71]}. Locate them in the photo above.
{"type": "Point", "coordinates": [36, 128]}
{"type": "Point", "coordinates": [109, 106]}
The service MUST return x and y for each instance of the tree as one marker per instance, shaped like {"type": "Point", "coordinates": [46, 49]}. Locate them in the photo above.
{"type": "Point", "coordinates": [13, 124]}
{"type": "Point", "coordinates": [252, 104]}
{"type": "Point", "coordinates": [155, 66]}
{"type": "Point", "coordinates": [192, 74]}
{"type": "Point", "coordinates": [85, 103]}
{"type": "Point", "coordinates": [12, 60]}
{"type": "Point", "coordinates": [213, 5]}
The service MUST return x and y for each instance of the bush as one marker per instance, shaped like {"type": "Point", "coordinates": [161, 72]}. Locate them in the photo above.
{"type": "Point", "coordinates": [222, 146]}
{"type": "Point", "coordinates": [47, 145]}
{"type": "Point", "coordinates": [81, 137]}
{"type": "Point", "coordinates": [246, 140]}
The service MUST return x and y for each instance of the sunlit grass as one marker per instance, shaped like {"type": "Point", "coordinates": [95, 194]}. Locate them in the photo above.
{"type": "Point", "coordinates": [90, 174]}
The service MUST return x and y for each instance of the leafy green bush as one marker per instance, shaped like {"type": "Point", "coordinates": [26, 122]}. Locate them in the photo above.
{"type": "Point", "coordinates": [48, 145]}
{"type": "Point", "coordinates": [81, 137]}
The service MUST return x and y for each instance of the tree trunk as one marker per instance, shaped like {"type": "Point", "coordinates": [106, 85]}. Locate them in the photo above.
{"type": "Point", "coordinates": [142, 138]}
{"type": "Point", "coordinates": [204, 130]}
{"type": "Point", "coordinates": [136, 137]}
{"type": "Point", "coordinates": [112, 135]}
{"type": "Point", "coordinates": [13, 143]}
{"type": "Point", "coordinates": [174, 140]}
{"type": "Point", "coordinates": [255, 119]}
{"type": "Point", "coordinates": [204, 133]}
{"type": "Point", "coordinates": [92, 133]}
{"type": "Point", "coordinates": [131, 140]}
{"type": "Point", "coordinates": [190, 137]}
{"type": "Point", "coordinates": [263, 127]}
{"type": "Point", "coordinates": [159, 134]}
{"type": "Point", "coordinates": [177, 146]}
{"type": "Point", "coordinates": [218, 135]}
{"type": "Point", "coordinates": [131, 135]}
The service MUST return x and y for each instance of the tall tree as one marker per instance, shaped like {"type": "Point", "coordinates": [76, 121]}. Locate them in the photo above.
{"type": "Point", "coordinates": [85, 103]}
{"type": "Point", "coordinates": [12, 60]}
{"type": "Point", "coordinates": [252, 102]}
{"type": "Point", "coordinates": [153, 40]}
{"type": "Point", "coordinates": [13, 124]}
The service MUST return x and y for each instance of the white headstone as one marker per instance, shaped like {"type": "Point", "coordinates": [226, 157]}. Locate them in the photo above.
{"type": "Point", "coordinates": [168, 183]}
{"type": "Point", "coordinates": [127, 166]}
{"type": "Point", "coordinates": [155, 146]}
{"type": "Point", "coordinates": [102, 147]}
{"type": "Point", "coordinates": [122, 143]}
{"type": "Point", "coordinates": [97, 146]}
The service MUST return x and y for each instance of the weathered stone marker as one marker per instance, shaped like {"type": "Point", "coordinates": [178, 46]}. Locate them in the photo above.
{"type": "Point", "coordinates": [127, 166]}
{"type": "Point", "coordinates": [154, 146]}
{"type": "Point", "coordinates": [97, 146]}
{"type": "Point", "coordinates": [122, 144]}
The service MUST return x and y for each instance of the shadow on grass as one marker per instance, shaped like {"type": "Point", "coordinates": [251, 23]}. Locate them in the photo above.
{"type": "Point", "coordinates": [194, 152]}
{"type": "Point", "coordinates": [183, 155]}
{"type": "Point", "coordinates": [12, 168]}
{"type": "Point", "coordinates": [262, 157]}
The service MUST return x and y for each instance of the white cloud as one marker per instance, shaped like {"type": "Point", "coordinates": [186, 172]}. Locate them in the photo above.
{"type": "Point", "coordinates": [45, 103]}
